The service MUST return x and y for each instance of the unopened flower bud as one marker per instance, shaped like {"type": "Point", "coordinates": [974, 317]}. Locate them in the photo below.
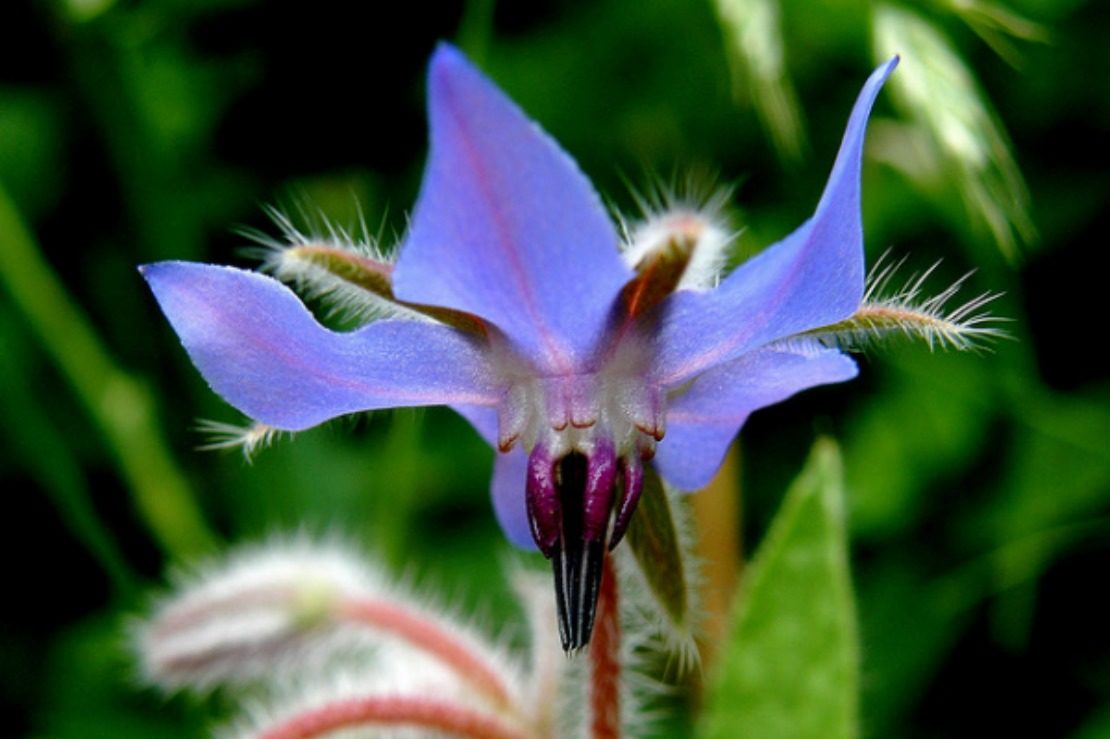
{"type": "Point", "coordinates": [265, 607]}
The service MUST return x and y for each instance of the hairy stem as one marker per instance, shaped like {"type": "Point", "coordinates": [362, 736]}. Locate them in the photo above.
{"type": "Point", "coordinates": [605, 666]}
{"type": "Point", "coordinates": [433, 639]}
{"type": "Point", "coordinates": [396, 711]}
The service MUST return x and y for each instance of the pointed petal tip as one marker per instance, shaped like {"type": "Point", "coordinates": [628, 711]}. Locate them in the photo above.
{"type": "Point", "coordinates": [506, 226]}
{"type": "Point", "coordinates": [447, 61]}
{"type": "Point", "coordinates": [812, 277]}
{"type": "Point", "coordinates": [446, 51]}
{"type": "Point", "coordinates": [158, 273]}
{"type": "Point", "coordinates": [150, 269]}
{"type": "Point", "coordinates": [883, 71]}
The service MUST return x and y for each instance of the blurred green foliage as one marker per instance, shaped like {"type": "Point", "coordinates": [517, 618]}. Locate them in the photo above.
{"type": "Point", "coordinates": [977, 487]}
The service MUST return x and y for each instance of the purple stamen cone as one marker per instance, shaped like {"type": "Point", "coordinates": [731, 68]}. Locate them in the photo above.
{"type": "Point", "coordinates": [542, 495]}
{"type": "Point", "coordinates": [631, 485]}
{"type": "Point", "coordinates": [578, 558]}
{"type": "Point", "coordinates": [601, 477]}
{"type": "Point", "coordinates": [570, 503]}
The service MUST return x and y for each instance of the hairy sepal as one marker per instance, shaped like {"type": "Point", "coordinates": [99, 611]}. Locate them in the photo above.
{"type": "Point", "coordinates": [662, 562]}
{"type": "Point", "coordinates": [355, 284]}
{"type": "Point", "coordinates": [906, 312]}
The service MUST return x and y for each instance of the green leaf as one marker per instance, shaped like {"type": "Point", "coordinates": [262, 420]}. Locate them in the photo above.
{"type": "Point", "coordinates": [790, 666]}
{"type": "Point", "coordinates": [43, 450]}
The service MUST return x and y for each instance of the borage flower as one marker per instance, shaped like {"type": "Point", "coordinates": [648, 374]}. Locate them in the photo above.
{"type": "Point", "coordinates": [512, 301]}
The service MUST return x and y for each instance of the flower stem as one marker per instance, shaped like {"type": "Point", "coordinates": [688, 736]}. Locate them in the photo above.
{"type": "Point", "coordinates": [395, 711]}
{"type": "Point", "coordinates": [433, 639]}
{"type": "Point", "coordinates": [605, 666]}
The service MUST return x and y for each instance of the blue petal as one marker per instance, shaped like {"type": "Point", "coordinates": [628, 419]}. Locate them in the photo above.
{"type": "Point", "coordinates": [811, 278]}
{"type": "Point", "coordinates": [506, 226]}
{"type": "Point", "coordinates": [263, 352]}
{"type": "Point", "coordinates": [702, 422]}
{"type": "Point", "coordinates": [509, 471]}
{"type": "Point", "coordinates": [508, 484]}
{"type": "Point", "coordinates": [483, 418]}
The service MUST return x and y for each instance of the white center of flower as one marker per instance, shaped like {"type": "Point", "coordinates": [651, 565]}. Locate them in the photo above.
{"type": "Point", "coordinates": [568, 413]}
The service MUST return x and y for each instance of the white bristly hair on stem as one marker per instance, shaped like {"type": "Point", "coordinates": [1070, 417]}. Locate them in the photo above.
{"type": "Point", "coordinates": [248, 438]}
{"type": "Point", "coordinates": [655, 650]}
{"type": "Point", "coordinates": [650, 626]}
{"type": "Point", "coordinates": [908, 313]}
{"type": "Point", "coordinates": [642, 697]}
{"type": "Point", "coordinates": [548, 665]}
{"type": "Point", "coordinates": [396, 694]}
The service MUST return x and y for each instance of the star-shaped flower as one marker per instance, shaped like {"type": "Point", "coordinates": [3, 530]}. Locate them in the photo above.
{"type": "Point", "coordinates": [512, 301]}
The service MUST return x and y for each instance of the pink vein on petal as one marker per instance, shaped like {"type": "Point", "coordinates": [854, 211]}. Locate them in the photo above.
{"type": "Point", "coordinates": [295, 361]}
{"type": "Point", "coordinates": [711, 355]}
{"type": "Point", "coordinates": [504, 241]}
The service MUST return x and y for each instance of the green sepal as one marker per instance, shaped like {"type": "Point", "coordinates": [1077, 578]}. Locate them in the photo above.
{"type": "Point", "coordinates": [654, 542]}
{"type": "Point", "coordinates": [348, 267]}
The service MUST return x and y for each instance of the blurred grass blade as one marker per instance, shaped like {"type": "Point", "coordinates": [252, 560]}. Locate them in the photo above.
{"type": "Point", "coordinates": [85, 11]}
{"type": "Point", "coordinates": [753, 37]}
{"type": "Point", "coordinates": [476, 29]}
{"type": "Point", "coordinates": [936, 88]}
{"type": "Point", "coordinates": [790, 665]}
{"type": "Point", "coordinates": [49, 458]}
{"type": "Point", "coordinates": [120, 406]}
{"type": "Point", "coordinates": [997, 25]}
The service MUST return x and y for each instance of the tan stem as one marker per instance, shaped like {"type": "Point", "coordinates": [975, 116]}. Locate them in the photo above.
{"type": "Point", "coordinates": [717, 515]}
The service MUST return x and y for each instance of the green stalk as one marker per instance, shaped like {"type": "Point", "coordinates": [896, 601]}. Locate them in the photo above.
{"type": "Point", "coordinates": [121, 407]}
{"type": "Point", "coordinates": [43, 449]}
